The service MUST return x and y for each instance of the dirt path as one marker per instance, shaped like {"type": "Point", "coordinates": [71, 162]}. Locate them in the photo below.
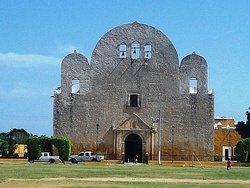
{"type": "Point", "coordinates": [201, 181]}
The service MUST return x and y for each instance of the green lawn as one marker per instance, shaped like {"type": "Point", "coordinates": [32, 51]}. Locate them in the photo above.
{"type": "Point", "coordinates": [44, 170]}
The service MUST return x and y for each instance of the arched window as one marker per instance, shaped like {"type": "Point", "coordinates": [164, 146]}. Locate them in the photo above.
{"type": "Point", "coordinates": [135, 51]}
{"type": "Point", "coordinates": [147, 51]}
{"type": "Point", "coordinates": [193, 85]}
{"type": "Point", "coordinates": [122, 51]}
{"type": "Point", "coordinates": [75, 85]}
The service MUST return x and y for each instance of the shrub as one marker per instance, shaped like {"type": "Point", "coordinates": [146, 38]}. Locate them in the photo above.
{"type": "Point", "coordinates": [63, 145]}
{"type": "Point", "coordinates": [38, 144]}
{"type": "Point", "coordinates": [34, 148]}
{"type": "Point", "coordinates": [217, 158]}
{"type": "Point", "coordinates": [242, 150]}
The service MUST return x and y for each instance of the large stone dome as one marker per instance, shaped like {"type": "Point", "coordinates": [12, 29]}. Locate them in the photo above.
{"type": "Point", "coordinates": [106, 53]}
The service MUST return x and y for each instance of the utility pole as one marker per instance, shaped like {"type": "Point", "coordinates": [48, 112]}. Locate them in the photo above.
{"type": "Point", "coordinates": [172, 142]}
{"type": "Point", "coordinates": [158, 120]}
{"type": "Point", "coordinates": [97, 129]}
{"type": "Point", "coordinates": [159, 138]}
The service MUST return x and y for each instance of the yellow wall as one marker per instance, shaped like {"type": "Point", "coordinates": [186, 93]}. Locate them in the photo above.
{"type": "Point", "coordinates": [225, 135]}
{"type": "Point", "coordinates": [20, 150]}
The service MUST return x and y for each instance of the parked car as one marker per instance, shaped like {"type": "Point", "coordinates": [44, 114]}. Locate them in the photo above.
{"type": "Point", "coordinates": [86, 156]}
{"type": "Point", "coordinates": [46, 157]}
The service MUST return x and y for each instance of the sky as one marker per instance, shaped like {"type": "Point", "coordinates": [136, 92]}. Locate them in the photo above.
{"type": "Point", "coordinates": [36, 35]}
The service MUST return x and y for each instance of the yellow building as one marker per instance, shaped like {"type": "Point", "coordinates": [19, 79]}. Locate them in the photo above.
{"type": "Point", "coordinates": [20, 150]}
{"type": "Point", "coordinates": [225, 138]}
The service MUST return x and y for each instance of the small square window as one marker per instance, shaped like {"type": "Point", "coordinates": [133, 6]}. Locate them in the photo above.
{"type": "Point", "coordinates": [123, 51]}
{"type": "Point", "coordinates": [193, 85]}
{"type": "Point", "coordinates": [234, 151]}
{"type": "Point", "coordinates": [148, 52]}
{"type": "Point", "coordinates": [133, 100]}
{"type": "Point", "coordinates": [135, 51]}
{"type": "Point", "coordinates": [75, 85]}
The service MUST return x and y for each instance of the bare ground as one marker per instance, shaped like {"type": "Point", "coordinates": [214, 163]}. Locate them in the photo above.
{"type": "Point", "coordinates": [68, 182]}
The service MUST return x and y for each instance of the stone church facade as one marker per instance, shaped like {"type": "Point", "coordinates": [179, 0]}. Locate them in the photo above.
{"type": "Point", "coordinates": [106, 105]}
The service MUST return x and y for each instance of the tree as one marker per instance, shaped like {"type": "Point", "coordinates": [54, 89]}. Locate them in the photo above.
{"type": "Point", "coordinates": [4, 144]}
{"type": "Point", "coordinates": [9, 140]}
{"type": "Point", "coordinates": [2, 139]}
{"type": "Point", "coordinates": [16, 136]}
{"type": "Point", "coordinates": [244, 128]}
{"type": "Point", "coordinates": [242, 150]}
{"type": "Point", "coordinates": [19, 136]}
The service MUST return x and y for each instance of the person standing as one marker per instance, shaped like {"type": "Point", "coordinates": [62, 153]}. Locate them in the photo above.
{"type": "Point", "coordinates": [229, 164]}
{"type": "Point", "coordinates": [135, 159]}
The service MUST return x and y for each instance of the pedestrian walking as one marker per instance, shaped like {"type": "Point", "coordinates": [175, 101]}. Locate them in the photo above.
{"type": "Point", "coordinates": [229, 164]}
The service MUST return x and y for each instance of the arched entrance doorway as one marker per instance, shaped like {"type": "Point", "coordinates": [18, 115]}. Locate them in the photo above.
{"type": "Point", "coordinates": [133, 146]}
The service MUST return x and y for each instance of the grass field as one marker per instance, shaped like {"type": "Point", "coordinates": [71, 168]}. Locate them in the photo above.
{"type": "Point", "coordinates": [114, 175]}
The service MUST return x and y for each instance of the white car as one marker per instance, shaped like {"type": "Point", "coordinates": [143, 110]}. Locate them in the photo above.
{"type": "Point", "coordinates": [46, 157]}
{"type": "Point", "coordinates": [86, 156]}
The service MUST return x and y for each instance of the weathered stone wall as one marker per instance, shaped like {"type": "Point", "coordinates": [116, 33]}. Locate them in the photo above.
{"type": "Point", "coordinates": [106, 86]}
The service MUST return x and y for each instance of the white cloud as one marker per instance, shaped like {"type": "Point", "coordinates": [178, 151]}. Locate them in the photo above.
{"type": "Point", "coordinates": [27, 60]}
